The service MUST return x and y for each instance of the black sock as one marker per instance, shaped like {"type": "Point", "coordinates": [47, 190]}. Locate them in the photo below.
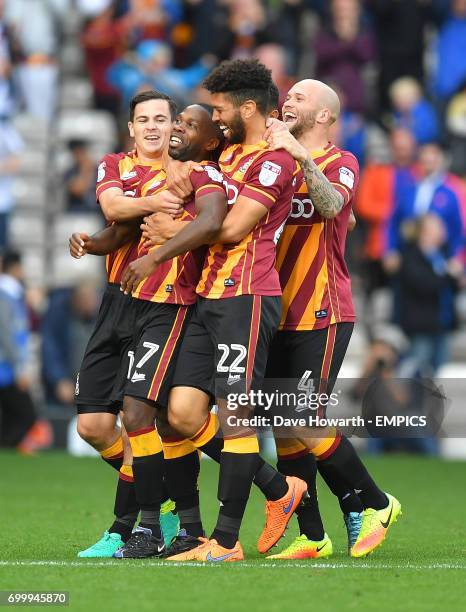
{"type": "Point", "coordinates": [124, 525]}
{"type": "Point", "coordinates": [148, 482]}
{"type": "Point", "coordinates": [347, 498]}
{"type": "Point", "coordinates": [345, 461]}
{"type": "Point", "coordinates": [126, 508]}
{"type": "Point", "coordinates": [236, 475]}
{"type": "Point", "coordinates": [213, 448]}
{"type": "Point", "coordinates": [181, 478]}
{"type": "Point", "coordinates": [165, 493]}
{"type": "Point", "coordinates": [272, 483]}
{"type": "Point", "coordinates": [114, 462]}
{"type": "Point", "coordinates": [309, 519]}
{"type": "Point", "coordinates": [150, 519]}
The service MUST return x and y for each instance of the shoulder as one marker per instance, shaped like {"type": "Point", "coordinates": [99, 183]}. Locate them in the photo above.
{"type": "Point", "coordinates": [345, 158]}
{"type": "Point", "coordinates": [211, 174]}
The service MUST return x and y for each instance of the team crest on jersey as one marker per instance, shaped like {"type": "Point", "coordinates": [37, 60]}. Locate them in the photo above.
{"type": "Point", "coordinates": [269, 173]}
{"type": "Point", "coordinates": [128, 175]}
{"type": "Point", "coordinates": [101, 172]}
{"type": "Point", "coordinates": [214, 174]}
{"type": "Point", "coordinates": [347, 177]}
{"type": "Point", "coordinates": [246, 165]}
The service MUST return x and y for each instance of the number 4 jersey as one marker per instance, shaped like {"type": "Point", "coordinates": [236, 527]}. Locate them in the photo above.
{"type": "Point", "coordinates": [311, 252]}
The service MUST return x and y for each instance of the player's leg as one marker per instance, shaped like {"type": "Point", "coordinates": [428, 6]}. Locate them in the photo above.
{"type": "Point", "coordinates": [338, 461]}
{"type": "Point", "coordinates": [160, 330]}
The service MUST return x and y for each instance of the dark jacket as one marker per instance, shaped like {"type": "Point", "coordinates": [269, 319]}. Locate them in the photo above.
{"type": "Point", "coordinates": [426, 293]}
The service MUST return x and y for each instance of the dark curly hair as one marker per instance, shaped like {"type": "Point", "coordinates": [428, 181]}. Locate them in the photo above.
{"type": "Point", "coordinates": [242, 80]}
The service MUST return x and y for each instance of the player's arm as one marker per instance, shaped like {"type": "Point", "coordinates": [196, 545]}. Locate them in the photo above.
{"type": "Point", "coordinates": [105, 241]}
{"type": "Point", "coordinates": [211, 209]}
{"type": "Point", "coordinates": [327, 200]}
{"type": "Point", "coordinates": [240, 220]}
{"type": "Point", "coordinates": [120, 208]}
{"type": "Point", "coordinates": [160, 227]}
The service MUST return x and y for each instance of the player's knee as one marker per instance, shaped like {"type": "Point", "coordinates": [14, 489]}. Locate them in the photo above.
{"type": "Point", "coordinates": [137, 415]}
{"type": "Point", "coordinates": [179, 420]}
{"type": "Point", "coordinates": [90, 433]}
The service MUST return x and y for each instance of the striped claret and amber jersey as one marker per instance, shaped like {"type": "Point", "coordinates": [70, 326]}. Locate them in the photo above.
{"type": "Point", "coordinates": [174, 281]}
{"type": "Point", "coordinates": [311, 252]}
{"type": "Point", "coordinates": [125, 171]}
{"type": "Point", "coordinates": [248, 267]}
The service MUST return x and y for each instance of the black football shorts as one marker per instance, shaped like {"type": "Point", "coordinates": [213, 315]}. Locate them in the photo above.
{"type": "Point", "coordinates": [226, 344]}
{"type": "Point", "coordinates": [158, 331]}
{"type": "Point", "coordinates": [102, 377]}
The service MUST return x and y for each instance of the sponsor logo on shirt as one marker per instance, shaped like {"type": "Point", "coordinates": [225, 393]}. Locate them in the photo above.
{"type": "Point", "coordinates": [269, 173]}
{"type": "Point", "coordinates": [346, 177]}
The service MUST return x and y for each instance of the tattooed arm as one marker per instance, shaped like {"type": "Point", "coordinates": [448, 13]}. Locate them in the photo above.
{"type": "Point", "coordinates": [326, 199]}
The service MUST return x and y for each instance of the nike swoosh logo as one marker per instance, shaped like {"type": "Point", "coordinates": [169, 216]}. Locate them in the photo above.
{"type": "Point", "coordinates": [161, 548]}
{"type": "Point", "coordinates": [318, 549]}
{"type": "Point", "coordinates": [287, 508]}
{"type": "Point", "coordinates": [220, 558]}
{"type": "Point", "coordinates": [387, 522]}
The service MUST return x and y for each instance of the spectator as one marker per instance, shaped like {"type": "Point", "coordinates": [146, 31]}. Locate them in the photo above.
{"type": "Point", "coordinates": [350, 129]}
{"type": "Point", "coordinates": [80, 179]}
{"type": "Point", "coordinates": [434, 195]}
{"type": "Point", "coordinates": [6, 98]}
{"type": "Point", "coordinates": [450, 74]}
{"type": "Point", "coordinates": [343, 48]}
{"type": "Point", "coordinates": [412, 111]}
{"type": "Point", "coordinates": [152, 68]}
{"type": "Point", "coordinates": [427, 280]}
{"type": "Point", "coordinates": [11, 146]}
{"type": "Point", "coordinates": [274, 57]}
{"type": "Point", "coordinates": [400, 30]}
{"type": "Point", "coordinates": [66, 327]}
{"type": "Point", "coordinates": [382, 189]}
{"type": "Point", "coordinates": [36, 49]}
{"type": "Point", "coordinates": [16, 406]}
{"type": "Point", "coordinates": [102, 46]}
{"type": "Point", "coordinates": [456, 125]}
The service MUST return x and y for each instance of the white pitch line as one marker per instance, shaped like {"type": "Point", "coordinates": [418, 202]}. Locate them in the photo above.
{"type": "Point", "coordinates": [238, 564]}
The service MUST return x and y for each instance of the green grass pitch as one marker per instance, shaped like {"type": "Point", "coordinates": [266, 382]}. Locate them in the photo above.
{"type": "Point", "coordinates": [53, 505]}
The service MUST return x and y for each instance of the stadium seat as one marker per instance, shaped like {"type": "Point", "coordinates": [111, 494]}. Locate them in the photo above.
{"type": "Point", "coordinates": [75, 93]}
{"type": "Point", "coordinates": [28, 229]}
{"type": "Point", "coordinates": [88, 125]}
{"type": "Point", "coordinates": [66, 224]}
{"type": "Point", "coordinates": [30, 192]}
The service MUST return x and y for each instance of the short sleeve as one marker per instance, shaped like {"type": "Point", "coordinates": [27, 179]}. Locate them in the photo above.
{"type": "Point", "coordinates": [343, 173]}
{"type": "Point", "coordinates": [208, 181]}
{"type": "Point", "coordinates": [267, 177]}
{"type": "Point", "coordinates": [108, 174]}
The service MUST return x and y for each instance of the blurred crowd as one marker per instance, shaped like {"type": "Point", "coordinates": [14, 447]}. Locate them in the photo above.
{"type": "Point", "coordinates": [399, 68]}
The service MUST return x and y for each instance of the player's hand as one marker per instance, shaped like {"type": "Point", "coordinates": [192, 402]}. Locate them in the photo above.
{"type": "Point", "coordinates": [158, 228]}
{"type": "Point", "coordinates": [282, 139]}
{"type": "Point", "coordinates": [167, 202]}
{"type": "Point", "coordinates": [273, 126]}
{"type": "Point", "coordinates": [178, 180]}
{"type": "Point", "coordinates": [136, 272]}
{"type": "Point", "coordinates": [78, 242]}
{"type": "Point", "coordinates": [64, 391]}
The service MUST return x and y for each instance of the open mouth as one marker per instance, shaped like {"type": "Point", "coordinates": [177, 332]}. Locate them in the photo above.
{"type": "Point", "coordinates": [175, 141]}
{"type": "Point", "coordinates": [226, 130]}
{"type": "Point", "coordinates": [152, 138]}
{"type": "Point", "coordinates": [288, 117]}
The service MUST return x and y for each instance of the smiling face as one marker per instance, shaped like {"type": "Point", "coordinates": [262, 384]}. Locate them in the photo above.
{"type": "Point", "coordinates": [194, 135]}
{"type": "Point", "coordinates": [228, 117]}
{"type": "Point", "coordinates": [309, 103]}
{"type": "Point", "coordinates": [150, 128]}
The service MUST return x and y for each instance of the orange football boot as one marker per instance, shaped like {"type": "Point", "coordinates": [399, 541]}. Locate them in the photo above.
{"type": "Point", "coordinates": [278, 513]}
{"type": "Point", "coordinates": [210, 551]}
